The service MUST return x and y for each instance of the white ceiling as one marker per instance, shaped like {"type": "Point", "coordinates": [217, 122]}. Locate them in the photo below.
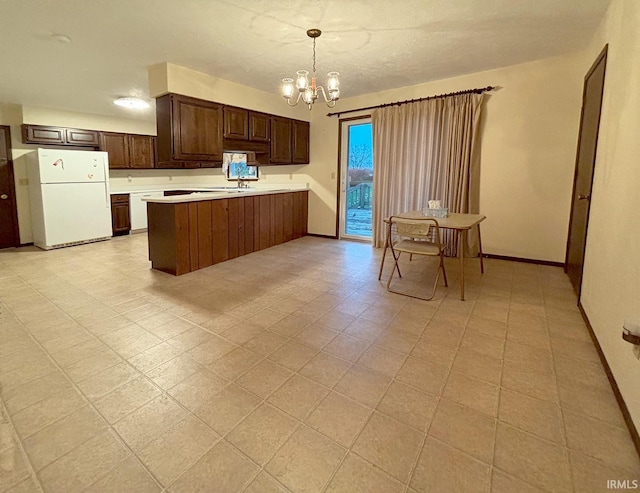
{"type": "Point", "coordinates": [374, 44]}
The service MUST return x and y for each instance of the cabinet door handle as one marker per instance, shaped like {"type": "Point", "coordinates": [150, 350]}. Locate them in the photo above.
{"type": "Point", "coordinates": [4, 196]}
{"type": "Point", "coordinates": [584, 197]}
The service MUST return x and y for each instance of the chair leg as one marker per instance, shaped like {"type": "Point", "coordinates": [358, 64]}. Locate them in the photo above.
{"type": "Point", "coordinates": [435, 284]}
{"type": "Point", "coordinates": [395, 266]}
{"type": "Point", "coordinates": [384, 254]}
{"type": "Point", "coordinates": [444, 272]}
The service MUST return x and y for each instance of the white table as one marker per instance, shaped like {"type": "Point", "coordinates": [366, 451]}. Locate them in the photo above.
{"type": "Point", "coordinates": [461, 223]}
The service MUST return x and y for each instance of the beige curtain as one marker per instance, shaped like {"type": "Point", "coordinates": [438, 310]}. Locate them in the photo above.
{"type": "Point", "coordinates": [423, 151]}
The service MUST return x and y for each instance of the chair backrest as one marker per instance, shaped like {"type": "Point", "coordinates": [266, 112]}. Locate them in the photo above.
{"type": "Point", "coordinates": [423, 228]}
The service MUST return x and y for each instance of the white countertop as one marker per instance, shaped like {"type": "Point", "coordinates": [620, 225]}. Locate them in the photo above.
{"type": "Point", "coordinates": [160, 188]}
{"type": "Point", "coordinates": [200, 187]}
{"type": "Point", "coordinates": [223, 194]}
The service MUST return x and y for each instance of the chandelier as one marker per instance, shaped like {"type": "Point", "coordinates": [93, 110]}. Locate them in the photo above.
{"type": "Point", "coordinates": [309, 92]}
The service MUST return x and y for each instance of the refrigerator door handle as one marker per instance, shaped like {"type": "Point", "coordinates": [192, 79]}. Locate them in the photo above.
{"type": "Point", "coordinates": [107, 197]}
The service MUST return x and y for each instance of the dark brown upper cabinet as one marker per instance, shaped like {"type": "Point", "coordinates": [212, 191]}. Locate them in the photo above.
{"type": "Point", "coordinates": [60, 136]}
{"type": "Point", "coordinates": [142, 151]}
{"type": "Point", "coordinates": [189, 130]}
{"type": "Point", "coordinates": [236, 123]}
{"type": "Point", "coordinates": [300, 142]}
{"type": "Point", "coordinates": [117, 146]}
{"type": "Point", "coordinates": [128, 151]}
{"type": "Point", "coordinates": [259, 126]}
{"type": "Point", "coordinates": [87, 138]}
{"type": "Point", "coordinates": [280, 140]}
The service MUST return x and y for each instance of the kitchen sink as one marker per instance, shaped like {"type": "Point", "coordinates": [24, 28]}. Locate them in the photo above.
{"type": "Point", "coordinates": [228, 189]}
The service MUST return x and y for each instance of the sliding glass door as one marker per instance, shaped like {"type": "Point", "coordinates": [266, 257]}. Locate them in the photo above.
{"type": "Point", "coordinates": [356, 180]}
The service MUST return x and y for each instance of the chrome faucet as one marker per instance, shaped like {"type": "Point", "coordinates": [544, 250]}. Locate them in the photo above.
{"type": "Point", "coordinates": [242, 183]}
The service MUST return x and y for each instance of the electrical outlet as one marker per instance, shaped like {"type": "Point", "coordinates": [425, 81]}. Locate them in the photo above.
{"type": "Point", "coordinates": [333, 175]}
{"type": "Point", "coordinates": [23, 182]}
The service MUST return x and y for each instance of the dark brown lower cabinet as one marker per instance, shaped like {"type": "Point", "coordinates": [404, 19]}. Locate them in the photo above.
{"type": "Point", "coordinates": [187, 236]}
{"type": "Point", "coordinates": [120, 218]}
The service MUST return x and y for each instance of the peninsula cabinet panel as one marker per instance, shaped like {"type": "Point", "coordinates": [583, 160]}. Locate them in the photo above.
{"type": "Point", "coordinates": [300, 142]}
{"type": "Point", "coordinates": [241, 250]}
{"type": "Point", "coordinates": [300, 206]}
{"type": "Point", "coordinates": [220, 226]}
{"type": "Point", "coordinates": [256, 223]}
{"type": "Point", "coordinates": [259, 127]}
{"type": "Point", "coordinates": [169, 237]}
{"type": "Point", "coordinates": [277, 219]}
{"type": "Point", "coordinates": [234, 226]}
{"type": "Point", "coordinates": [264, 240]}
{"type": "Point", "coordinates": [304, 211]}
{"type": "Point", "coordinates": [204, 234]}
{"type": "Point", "coordinates": [280, 140]}
{"type": "Point", "coordinates": [187, 236]}
{"type": "Point", "coordinates": [248, 226]}
{"type": "Point", "coordinates": [288, 213]}
{"type": "Point", "coordinates": [194, 247]}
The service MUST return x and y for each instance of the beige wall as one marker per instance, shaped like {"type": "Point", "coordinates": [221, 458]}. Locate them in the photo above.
{"type": "Point", "coordinates": [528, 153]}
{"type": "Point", "coordinates": [15, 115]}
{"type": "Point", "coordinates": [169, 78]}
{"type": "Point", "coordinates": [166, 77]}
{"type": "Point", "coordinates": [611, 282]}
{"type": "Point", "coordinates": [528, 148]}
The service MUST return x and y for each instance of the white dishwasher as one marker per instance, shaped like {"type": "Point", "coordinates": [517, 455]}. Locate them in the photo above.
{"type": "Point", "coordinates": [138, 209]}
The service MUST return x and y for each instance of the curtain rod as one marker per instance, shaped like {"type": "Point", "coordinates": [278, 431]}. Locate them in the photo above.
{"type": "Point", "coordinates": [398, 103]}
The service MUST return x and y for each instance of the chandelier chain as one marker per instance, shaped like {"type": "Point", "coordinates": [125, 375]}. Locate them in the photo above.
{"type": "Point", "coordinates": [314, 56]}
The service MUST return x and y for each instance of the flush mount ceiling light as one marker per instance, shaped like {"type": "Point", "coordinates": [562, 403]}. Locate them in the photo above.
{"type": "Point", "coordinates": [309, 92]}
{"type": "Point", "coordinates": [132, 103]}
{"type": "Point", "coordinates": [62, 38]}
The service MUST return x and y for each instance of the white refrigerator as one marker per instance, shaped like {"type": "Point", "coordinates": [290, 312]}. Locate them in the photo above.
{"type": "Point", "coordinates": [70, 202]}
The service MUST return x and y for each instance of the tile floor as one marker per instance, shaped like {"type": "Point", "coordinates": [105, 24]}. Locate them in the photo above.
{"type": "Point", "coordinates": [292, 369]}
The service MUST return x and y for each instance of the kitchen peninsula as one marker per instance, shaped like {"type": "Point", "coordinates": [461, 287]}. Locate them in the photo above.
{"type": "Point", "coordinates": [191, 232]}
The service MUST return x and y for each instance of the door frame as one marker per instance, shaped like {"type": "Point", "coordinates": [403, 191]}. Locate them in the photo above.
{"type": "Point", "coordinates": [602, 57]}
{"type": "Point", "coordinates": [12, 185]}
{"type": "Point", "coordinates": [342, 122]}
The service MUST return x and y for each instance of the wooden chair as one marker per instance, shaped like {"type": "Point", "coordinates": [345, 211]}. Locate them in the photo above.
{"type": "Point", "coordinates": [420, 236]}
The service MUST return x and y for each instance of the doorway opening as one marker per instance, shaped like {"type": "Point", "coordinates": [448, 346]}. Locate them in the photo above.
{"type": "Point", "coordinates": [592, 93]}
{"type": "Point", "coordinates": [9, 235]}
{"type": "Point", "coordinates": [356, 180]}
